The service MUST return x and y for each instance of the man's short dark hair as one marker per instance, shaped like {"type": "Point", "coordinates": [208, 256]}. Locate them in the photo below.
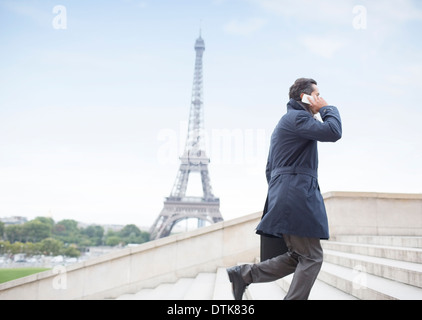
{"type": "Point", "coordinates": [301, 85]}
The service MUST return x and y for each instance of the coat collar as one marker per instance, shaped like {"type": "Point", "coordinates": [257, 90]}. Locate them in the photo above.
{"type": "Point", "coordinates": [296, 105]}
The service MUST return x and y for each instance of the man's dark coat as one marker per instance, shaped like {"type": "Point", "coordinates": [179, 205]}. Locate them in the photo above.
{"type": "Point", "coordinates": [295, 205]}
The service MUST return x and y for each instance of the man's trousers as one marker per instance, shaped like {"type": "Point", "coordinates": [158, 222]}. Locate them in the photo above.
{"type": "Point", "coordinates": [304, 259]}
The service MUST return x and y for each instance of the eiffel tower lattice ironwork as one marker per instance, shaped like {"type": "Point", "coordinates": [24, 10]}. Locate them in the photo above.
{"type": "Point", "coordinates": [178, 206]}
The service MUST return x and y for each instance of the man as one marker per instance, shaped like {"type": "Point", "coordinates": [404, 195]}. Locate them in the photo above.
{"type": "Point", "coordinates": [295, 208]}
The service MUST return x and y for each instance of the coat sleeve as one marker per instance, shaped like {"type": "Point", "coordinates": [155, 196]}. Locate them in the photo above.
{"type": "Point", "coordinates": [328, 131]}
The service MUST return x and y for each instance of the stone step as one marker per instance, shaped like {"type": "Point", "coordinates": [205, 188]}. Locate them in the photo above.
{"type": "Point", "coordinates": [355, 267]}
{"type": "Point", "coordinates": [180, 289]}
{"type": "Point", "coordinates": [199, 288]}
{"type": "Point", "coordinates": [366, 286]}
{"type": "Point", "coordinates": [264, 291]}
{"type": "Point", "coordinates": [138, 296]}
{"type": "Point", "coordinates": [257, 291]}
{"type": "Point", "coordinates": [277, 290]}
{"type": "Point", "coordinates": [202, 287]}
{"type": "Point", "coordinates": [393, 241]}
{"type": "Point", "coordinates": [381, 251]}
{"type": "Point", "coordinates": [165, 291]}
{"type": "Point", "coordinates": [334, 283]}
{"type": "Point", "coordinates": [320, 290]}
{"type": "Point", "coordinates": [222, 287]}
{"type": "Point", "coordinates": [401, 271]}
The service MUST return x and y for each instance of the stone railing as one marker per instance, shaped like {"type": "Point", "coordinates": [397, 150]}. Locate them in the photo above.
{"type": "Point", "coordinates": [368, 213]}
{"type": "Point", "coordinates": [145, 266]}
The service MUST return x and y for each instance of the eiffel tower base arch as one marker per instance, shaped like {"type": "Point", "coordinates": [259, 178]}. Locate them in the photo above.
{"type": "Point", "coordinates": [175, 211]}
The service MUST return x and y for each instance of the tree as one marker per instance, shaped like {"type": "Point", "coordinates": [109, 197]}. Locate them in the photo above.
{"type": "Point", "coordinates": [113, 241]}
{"type": "Point", "coordinates": [45, 220]}
{"type": "Point", "coordinates": [36, 230]}
{"type": "Point", "coordinates": [71, 251]}
{"type": "Point", "coordinates": [32, 248]}
{"type": "Point", "coordinates": [43, 235]}
{"type": "Point", "coordinates": [1, 229]}
{"type": "Point", "coordinates": [4, 247]}
{"type": "Point", "coordinates": [131, 234]}
{"type": "Point", "coordinates": [14, 233]}
{"type": "Point", "coordinates": [130, 230]}
{"type": "Point", "coordinates": [67, 227]}
{"type": "Point", "coordinates": [67, 231]}
{"type": "Point", "coordinates": [51, 246]}
{"type": "Point", "coordinates": [95, 234]}
{"type": "Point", "coordinates": [17, 247]}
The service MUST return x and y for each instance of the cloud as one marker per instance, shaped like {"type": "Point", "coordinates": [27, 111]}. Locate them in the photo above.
{"type": "Point", "coordinates": [405, 80]}
{"type": "Point", "coordinates": [385, 22]}
{"type": "Point", "coordinates": [380, 12]}
{"type": "Point", "coordinates": [394, 10]}
{"type": "Point", "coordinates": [244, 28]}
{"type": "Point", "coordinates": [310, 10]}
{"type": "Point", "coordinates": [40, 16]}
{"type": "Point", "coordinates": [137, 3]}
{"type": "Point", "coordinates": [322, 46]}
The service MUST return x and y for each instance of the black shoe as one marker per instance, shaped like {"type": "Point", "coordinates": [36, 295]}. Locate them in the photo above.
{"type": "Point", "coordinates": [238, 284]}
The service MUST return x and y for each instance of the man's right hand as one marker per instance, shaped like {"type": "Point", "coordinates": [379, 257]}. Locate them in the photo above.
{"type": "Point", "coordinates": [317, 103]}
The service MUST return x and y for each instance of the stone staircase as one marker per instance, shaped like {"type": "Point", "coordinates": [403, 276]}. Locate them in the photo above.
{"type": "Point", "coordinates": [355, 267]}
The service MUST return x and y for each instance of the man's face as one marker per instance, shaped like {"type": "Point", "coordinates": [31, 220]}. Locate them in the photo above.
{"type": "Point", "coordinates": [315, 93]}
{"type": "Point", "coordinates": [316, 90]}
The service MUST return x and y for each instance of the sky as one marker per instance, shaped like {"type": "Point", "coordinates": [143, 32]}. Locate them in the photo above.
{"type": "Point", "coordinates": [95, 98]}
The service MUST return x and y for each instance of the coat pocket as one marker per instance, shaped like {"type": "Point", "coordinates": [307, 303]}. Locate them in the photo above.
{"type": "Point", "coordinates": [275, 179]}
{"type": "Point", "coordinates": [312, 186]}
{"type": "Point", "coordinates": [278, 192]}
{"type": "Point", "coordinates": [302, 183]}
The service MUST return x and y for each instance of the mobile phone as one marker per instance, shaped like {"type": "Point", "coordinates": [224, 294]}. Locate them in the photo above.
{"type": "Point", "coordinates": [307, 99]}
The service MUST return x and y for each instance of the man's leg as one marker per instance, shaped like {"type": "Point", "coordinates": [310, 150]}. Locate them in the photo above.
{"type": "Point", "coordinates": [310, 256]}
{"type": "Point", "coordinates": [304, 258]}
{"type": "Point", "coordinates": [266, 271]}
{"type": "Point", "coordinates": [270, 270]}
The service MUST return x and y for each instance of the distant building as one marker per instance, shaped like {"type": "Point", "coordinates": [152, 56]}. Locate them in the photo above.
{"type": "Point", "coordinates": [13, 220]}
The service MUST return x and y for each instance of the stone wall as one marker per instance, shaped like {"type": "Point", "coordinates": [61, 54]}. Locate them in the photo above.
{"type": "Point", "coordinates": [144, 266]}
{"type": "Point", "coordinates": [360, 213]}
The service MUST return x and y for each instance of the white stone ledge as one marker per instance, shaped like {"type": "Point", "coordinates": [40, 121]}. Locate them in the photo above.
{"type": "Point", "coordinates": [375, 195]}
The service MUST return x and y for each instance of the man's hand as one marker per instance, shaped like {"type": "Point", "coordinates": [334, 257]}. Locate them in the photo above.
{"type": "Point", "coordinates": [317, 103]}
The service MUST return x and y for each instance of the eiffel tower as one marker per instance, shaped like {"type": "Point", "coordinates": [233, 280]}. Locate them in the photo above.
{"type": "Point", "coordinates": [178, 206]}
